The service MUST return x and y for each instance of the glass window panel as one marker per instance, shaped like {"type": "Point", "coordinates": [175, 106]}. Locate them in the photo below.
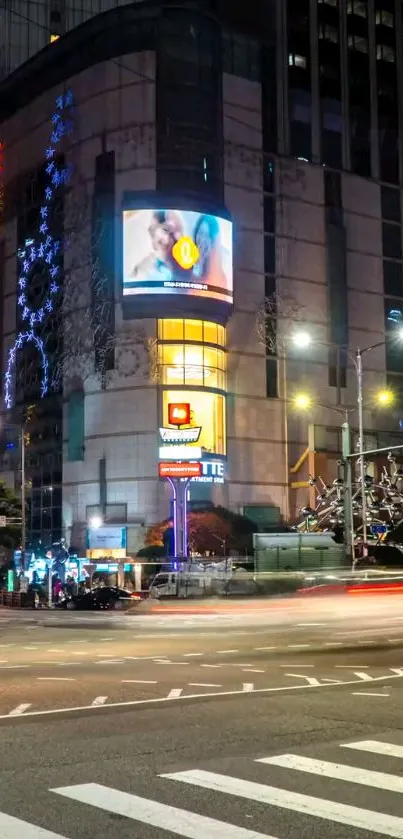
{"type": "Point", "coordinates": [170, 329]}
{"type": "Point", "coordinates": [211, 331]}
{"type": "Point", "coordinates": [208, 412]}
{"type": "Point", "coordinates": [221, 337]}
{"type": "Point", "coordinates": [193, 330]}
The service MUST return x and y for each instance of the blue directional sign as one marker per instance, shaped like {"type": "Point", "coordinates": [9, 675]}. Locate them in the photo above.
{"type": "Point", "coordinates": [378, 529]}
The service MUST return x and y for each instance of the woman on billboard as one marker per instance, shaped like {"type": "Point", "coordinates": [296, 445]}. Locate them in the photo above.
{"type": "Point", "coordinates": [165, 229]}
{"type": "Point", "coordinates": [210, 267]}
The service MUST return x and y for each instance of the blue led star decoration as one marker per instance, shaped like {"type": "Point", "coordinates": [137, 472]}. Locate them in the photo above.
{"type": "Point", "coordinates": [42, 251]}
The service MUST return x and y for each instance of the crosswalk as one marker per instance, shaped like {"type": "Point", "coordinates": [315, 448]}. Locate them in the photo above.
{"type": "Point", "coordinates": [353, 782]}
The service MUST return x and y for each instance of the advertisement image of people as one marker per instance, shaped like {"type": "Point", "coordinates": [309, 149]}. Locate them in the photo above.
{"type": "Point", "coordinates": [177, 252]}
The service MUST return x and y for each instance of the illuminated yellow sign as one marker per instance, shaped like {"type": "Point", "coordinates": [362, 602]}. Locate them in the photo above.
{"type": "Point", "coordinates": [185, 252]}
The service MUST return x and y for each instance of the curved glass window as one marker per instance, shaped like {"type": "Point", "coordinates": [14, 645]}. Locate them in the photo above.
{"type": "Point", "coordinates": [192, 365]}
{"type": "Point", "coordinates": [202, 331]}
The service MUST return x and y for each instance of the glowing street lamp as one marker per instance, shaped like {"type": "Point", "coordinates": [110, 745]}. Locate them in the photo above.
{"type": "Point", "coordinates": [95, 522]}
{"type": "Point", "coordinates": [301, 339]}
{"type": "Point", "coordinates": [302, 401]}
{"type": "Point", "coordinates": [385, 398]}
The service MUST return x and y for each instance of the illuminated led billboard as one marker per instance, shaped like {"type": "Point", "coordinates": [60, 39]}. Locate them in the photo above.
{"type": "Point", "coordinates": [177, 253]}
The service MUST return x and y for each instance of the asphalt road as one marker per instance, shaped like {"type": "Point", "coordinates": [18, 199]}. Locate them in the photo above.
{"type": "Point", "coordinates": [332, 759]}
{"type": "Point", "coordinates": [208, 726]}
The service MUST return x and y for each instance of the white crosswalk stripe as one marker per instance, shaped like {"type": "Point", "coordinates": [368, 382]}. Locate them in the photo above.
{"type": "Point", "coordinates": [376, 747]}
{"type": "Point", "coordinates": [11, 828]}
{"type": "Point", "coordinates": [308, 805]}
{"type": "Point", "coordinates": [174, 820]}
{"type": "Point", "coordinates": [181, 822]}
{"type": "Point", "coordinates": [339, 771]}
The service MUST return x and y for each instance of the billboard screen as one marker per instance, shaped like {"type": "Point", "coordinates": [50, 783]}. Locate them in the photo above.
{"type": "Point", "coordinates": [177, 252]}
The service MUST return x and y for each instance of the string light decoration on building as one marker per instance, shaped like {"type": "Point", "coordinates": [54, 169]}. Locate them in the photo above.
{"type": "Point", "coordinates": [1, 181]}
{"type": "Point", "coordinates": [43, 250]}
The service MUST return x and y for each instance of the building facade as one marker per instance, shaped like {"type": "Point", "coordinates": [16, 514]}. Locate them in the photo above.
{"type": "Point", "coordinates": [281, 122]}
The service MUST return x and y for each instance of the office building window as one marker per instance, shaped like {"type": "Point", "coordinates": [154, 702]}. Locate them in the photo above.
{"type": "Point", "coordinates": [383, 17]}
{"type": "Point", "coordinates": [357, 43]}
{"type": "Point", "coordinates": [392, 241]}
{"type": "Point", "coordinates": [392, 278]}
{"type": "Point", "coordinates": [328, 33]}
{"type": "Point", "coordinates": [390, 203]}
{"type": "Point", "coordinates": [384, 52]}
{"type": "Point", "coordinates": [295, 60]}
{"type": "Point", "coordinates": [357, 7]}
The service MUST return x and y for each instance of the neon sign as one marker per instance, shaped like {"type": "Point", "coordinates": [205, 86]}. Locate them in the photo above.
{"type": "Point", "coordinates": [42, 250]}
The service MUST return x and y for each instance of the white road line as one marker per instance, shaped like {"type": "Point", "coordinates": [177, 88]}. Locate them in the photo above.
{"type": "Point", "coordinates": [110, 661]}
{"type": "Point", "coordinates": [366, 693]}
{"type": "Point", "coordinates": [249, 670]}
{"type": "Point", "coordinates": [351, 666]}
{"type": "Point", "coordinates": [51, 650]}
{"type": "Point", "coordinates": [99, 700]}
{"type": "Point", "coordinates": [175, 693]}
{"type": "Point", "coordinates": [364, 676]}
{"type": "Point", "coordinates": [297, 665]}
{"type": "Point", "coordinates": [333, 644]}
{"type": "Point", "coordinates": [11, 828]}
{"type": "Point", "coordinates": [203, 685]}
{"type": "Point", "coordinates": [191, 655]}
{"type": "Point", "coordinates": [138, 682]}
{"type": "Point", "coordinates": [310, 679]}
{"type": "Point", "coordinates": [333, 811]}
{"type": "Point", "coordinates": [54, 679]}
{"type": "Point", "coordinates": [376, 747]}
{"type": "Point", "coordinates": [226, 651]}
{"type": "Point", "coordinates": [4, 661]}
{"type": "Point", "coordinates": [311, 624]}
{"type": "Point", "coordinates": [37, 648]}
{"type": "Point", "coordinates": [264, 648]}
{"type": "Point", "coordinates": [212, 666]}
{"type": "Point", "coordinates": [152, 813]}
{"type": "Point", "coordinates": [248, 687]}
{"type": "Point", "coordinates": [298, 646]}
{"type": "Point", "coordinates": [338, 771]}
{"type": "Point", "coordinates": [80, 653]}
{"type": "Point", "coordinates": [16, 712]}
{"type": "Point", "coordinates": [18, 666]}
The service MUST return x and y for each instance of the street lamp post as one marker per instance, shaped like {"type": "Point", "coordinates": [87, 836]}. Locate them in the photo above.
{"type": "Point", "coordinates": [303, 339]}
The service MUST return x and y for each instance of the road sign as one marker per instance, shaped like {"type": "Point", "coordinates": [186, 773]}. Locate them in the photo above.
{"type": "Point", "coordinates": [179, 470]}
{"type": "Point", "coordinates": [3, 521]}
{"type": "Point", "coordinates": [378, 529]}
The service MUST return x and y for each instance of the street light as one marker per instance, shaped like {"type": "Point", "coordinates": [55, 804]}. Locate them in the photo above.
{"type": "Point", "coordinates": [95, 522]}
{"type": "Point", "coordinates": [302, 401]}
{"type": "Point", "coordinates": [303, 339]}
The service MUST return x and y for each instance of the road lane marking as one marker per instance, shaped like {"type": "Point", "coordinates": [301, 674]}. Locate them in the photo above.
{"type": "Point", "coordinates": [175, 693]}
{"type": "Point", "coordinates": [297, 665]}
{"type": "Point", "coordinates": [191, 655]}
{"type": "Point", "coordinates": [212, 666]}
{"type": "Point", "coordinates": [310, 679]}
{"type": "Point", "coordinates": [219, 652]}
{"type": "Point", "coordinates": [152, 813]}
{"type": "Point", "coordinates": [376, 747]}
{"type": "Point", "coordinates": [333, 811]}
{"type": "Point", "coordinates": [364, 676]}
{"type": "Point", "coordinates": [264, 648]}
{"type": "Point", "coordinates": [138, 682]}
{"type": "Point", "coordinates": [298, 646]}
{"type": "Point", "coordinates": [248, 687]}
{"type": "Point", "coordinates": [18, 666]}
{"type": "Point", "coordinates": [16, 712]}
{"type": "Point", "coordinates": [338, 771]}
{"type": "Point", "coordinates": [110, 661]}
{"type": "Point", "coordinates": [54, 679]}
{"type": "Point", "coordinates": [333, 644]}
{"type": "Point", "coordinates": [203, 685]}
{"type": "Point", "coordinates": [11, 828]}
{"type": "Point", "coordinates": [51, 650]}
{"type": "Point", "coordinates": [366, 693]}
{"type": "Point", "coordinates": [351, 666]}
{"type": "Point", "coordinates": [311, 624]}
{"type": "Point", "coordinates": [249, 670]}
{"type": "Point", "coordinates": [162, 699]}
{"type": "Point", "coordinates": [99, 700]}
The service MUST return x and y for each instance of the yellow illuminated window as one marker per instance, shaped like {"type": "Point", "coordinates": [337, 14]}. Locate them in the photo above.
{"type": "Point", "coordinates": [193, 330]}
{"type": "Point", "coordinates": [192, 364]}
{"type": "Point", "coordinates": [174, 329]}
{"type": "Point", "coordinates": [54, 38]}
{"type": "Point", "coordinates": [207, 412]}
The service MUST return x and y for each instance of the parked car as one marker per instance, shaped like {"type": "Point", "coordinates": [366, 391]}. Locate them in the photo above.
{"type": "Point", "coordinates": [101, 597]}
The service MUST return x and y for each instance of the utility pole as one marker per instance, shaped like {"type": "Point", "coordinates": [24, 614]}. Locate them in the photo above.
{"type": "Point", "coordinates": [348, 491]}
{"type": "Point", "coordinates": [361, 450]}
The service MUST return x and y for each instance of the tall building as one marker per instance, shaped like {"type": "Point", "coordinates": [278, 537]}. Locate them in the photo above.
{"type": "Point", "coordinates": [276, 121]}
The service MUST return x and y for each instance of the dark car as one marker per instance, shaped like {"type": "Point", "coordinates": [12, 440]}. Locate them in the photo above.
{"type": "Point", "coordinates": [102, 597]}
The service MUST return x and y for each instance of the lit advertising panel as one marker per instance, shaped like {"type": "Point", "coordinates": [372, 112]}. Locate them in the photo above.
{"type": "Point", "coordinates": [177, 253]}
{"type": "Point", "coordinates": [207, 413]}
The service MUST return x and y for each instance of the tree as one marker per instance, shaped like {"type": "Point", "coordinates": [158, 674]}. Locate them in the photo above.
{"type": "Point", "coordinates": [214, 530]}
{"type": "Point", "coordinates": [10, 506]}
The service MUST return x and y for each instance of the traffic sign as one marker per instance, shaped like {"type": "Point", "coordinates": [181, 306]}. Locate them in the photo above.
{"type": "Point", "coordinates": [378, 529]}
{"type": "Point", "coordinates": [3, 521]}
